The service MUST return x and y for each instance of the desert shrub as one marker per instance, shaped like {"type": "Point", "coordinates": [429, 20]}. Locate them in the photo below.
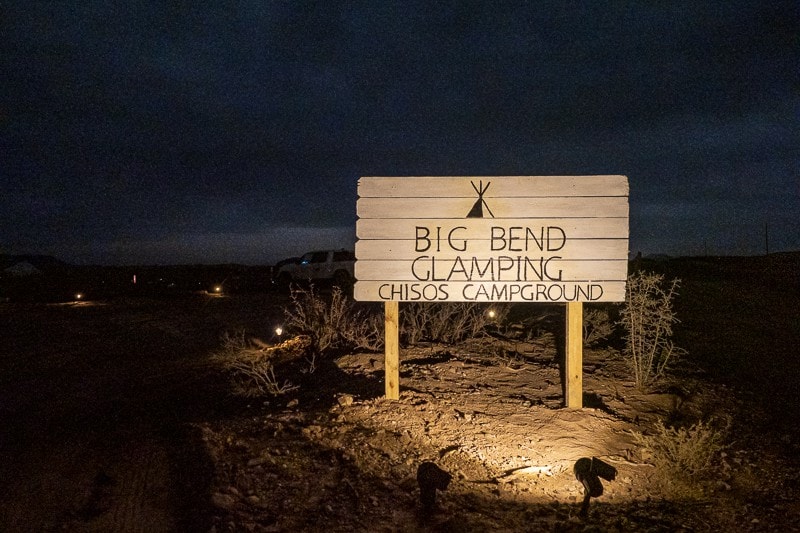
{"type": "Point", "coordinates": [648, 316]}
{"type": "Point", "coordinates": [251, 365]}
{"type": "Point", "coordinates": [365, 330]}
{"type": "Point", "coordinates": [501, 354]}
{"type": "Point", "coordinates": [336, 324]}
{"type": "Point", "coordinates": [597, 325]}
{"type": "Point", "coordinates": [256, 377]}
{"type": "Point", "coordinates": [333, 323]}
{"type": "Point", "coordinates": [321, 320]}
{"type": "Point", "coordinates": [233, 343]}
{"type": "Point", "coordinates": [414, 319]}
{"type": "Point", "coordinates": [685, 458]}
{"type": "Point", "coordinates": [448, 322]}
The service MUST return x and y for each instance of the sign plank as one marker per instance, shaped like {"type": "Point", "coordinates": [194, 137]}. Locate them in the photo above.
{"type": "Point", "coordinates": [501, 268]}
{"type": "Point", "coordinates": [538, 292]}
{"type": "Point", "coordinates": [484, 249]}
{"type": "Point", "coordinates": [495, 186]}
{"type": "Point", "coordinates": [459, 208]}
{"type": "Point", "coordinates": [477, 228]}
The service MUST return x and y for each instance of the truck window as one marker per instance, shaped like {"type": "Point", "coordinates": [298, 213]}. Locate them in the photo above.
{"type": "Point", "coordinates": [319, 257]}
{"type": "Point", "coordinates": [343, 255]}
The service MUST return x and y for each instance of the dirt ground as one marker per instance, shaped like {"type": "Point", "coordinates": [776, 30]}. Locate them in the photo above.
{"type": "Point", "coordinates": [116, 419]}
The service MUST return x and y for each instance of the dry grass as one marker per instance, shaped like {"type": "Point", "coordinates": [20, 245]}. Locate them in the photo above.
{"type": "Point", "coordinates": [648, 317]}
{"type": "Point", "coordinates": [250, 363]}
{"type": "Point", "coordinates": [333, 323]}
{"type": "Point", "coordinates": [686, 458]}
{"type": "Point", "coordinates": [448, 322]}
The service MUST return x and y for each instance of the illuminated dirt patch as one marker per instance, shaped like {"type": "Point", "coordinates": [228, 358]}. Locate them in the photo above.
{"type": "Point", "coordinates": [493, 421]}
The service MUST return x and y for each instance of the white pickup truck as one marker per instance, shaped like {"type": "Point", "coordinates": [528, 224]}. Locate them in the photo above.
{"type": "Point", "coordinates": [336, 266]}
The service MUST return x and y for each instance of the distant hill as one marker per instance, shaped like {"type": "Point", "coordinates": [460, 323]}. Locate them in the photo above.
{"type": "Point", "coordinates": [41, 262]}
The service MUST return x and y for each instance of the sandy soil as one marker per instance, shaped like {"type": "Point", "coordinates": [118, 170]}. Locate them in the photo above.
{"type": "Point", "coordinates": [115, 419]}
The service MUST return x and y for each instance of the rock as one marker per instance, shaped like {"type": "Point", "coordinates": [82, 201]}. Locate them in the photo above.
{"type": "Point", "coordinates": [312, 431]}
{"type": "Point", "coordinates": [345, 400]}
{"type": "Point", "coordinates": [223, 501]}
{"type": "Point", "coordinates": [256, 461]}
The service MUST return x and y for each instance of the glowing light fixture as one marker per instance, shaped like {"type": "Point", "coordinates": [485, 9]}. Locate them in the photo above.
{"type": "Point", "coordinates": [218, 289]}
{"type": "Point", "coordinates": [491, 313]}
{"type": "Point", "coordinates": [279, 331]}
{"type": "Point", "coordinates": [79, 296]}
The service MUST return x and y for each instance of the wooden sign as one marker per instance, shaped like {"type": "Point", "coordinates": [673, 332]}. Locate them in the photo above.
{"type": "Point", "coordinates": [492, 239]}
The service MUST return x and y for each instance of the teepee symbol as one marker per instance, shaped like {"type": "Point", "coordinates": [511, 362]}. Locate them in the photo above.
{"type": "Point", "coordinates": [480, 203]}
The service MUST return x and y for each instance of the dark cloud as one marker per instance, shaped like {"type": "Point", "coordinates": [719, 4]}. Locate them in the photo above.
{"type": "Point", "coordinates": [130, 123]}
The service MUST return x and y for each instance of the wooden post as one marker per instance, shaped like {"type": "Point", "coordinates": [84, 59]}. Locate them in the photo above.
{"type": "Point", "coordinates": [574, 355]}
{"type": "Point", "coordinates": [392, 343]}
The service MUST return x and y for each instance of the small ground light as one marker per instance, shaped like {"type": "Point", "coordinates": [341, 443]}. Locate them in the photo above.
{"type": "Point", "coordinates": [279, 331]}
{"type": "Point", "coordinates": [491, 313]}
{"type": "Point", "coordinates": [588, 472]}
{"type": "Point", "coordinates": [430, 479]}
{"type": "Point", "coordinates": [79, 296]}
{"type": "Point", "coordinates": [218, 289]}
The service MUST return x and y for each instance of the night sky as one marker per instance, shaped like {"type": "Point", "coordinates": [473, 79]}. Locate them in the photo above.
{"type": "Point", "coordinates": [172, 132]}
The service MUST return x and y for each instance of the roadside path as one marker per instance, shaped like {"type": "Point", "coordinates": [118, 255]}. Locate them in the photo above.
{"type": "Point", "coordinates": [94, 405]}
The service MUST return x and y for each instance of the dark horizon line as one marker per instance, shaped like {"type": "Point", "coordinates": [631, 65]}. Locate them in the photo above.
{"type": "Point", "coordinates": [11, 259]}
